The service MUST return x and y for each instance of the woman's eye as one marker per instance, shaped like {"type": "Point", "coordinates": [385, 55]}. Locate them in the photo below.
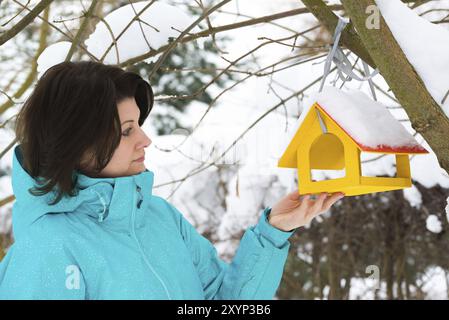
{"type": "Point", "coordinates": [126, 132]}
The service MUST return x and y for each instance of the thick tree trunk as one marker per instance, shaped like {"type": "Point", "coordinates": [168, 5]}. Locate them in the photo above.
{"type": "Point", "coordinates": [333, 263]}
{"type": "Point", "coordinates": [389, 249]}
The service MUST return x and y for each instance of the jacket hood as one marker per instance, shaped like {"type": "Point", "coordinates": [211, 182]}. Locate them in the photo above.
{"type": "Point", "coordinates": [109, 200]}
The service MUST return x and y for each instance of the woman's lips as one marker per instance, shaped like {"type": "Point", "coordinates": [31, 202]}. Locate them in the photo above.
{"type": "Point", "coordinates": [140, 159]}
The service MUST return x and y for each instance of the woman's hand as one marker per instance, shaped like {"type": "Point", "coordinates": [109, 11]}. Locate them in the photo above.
{"type": "Point", "coordinates": [294, 211]}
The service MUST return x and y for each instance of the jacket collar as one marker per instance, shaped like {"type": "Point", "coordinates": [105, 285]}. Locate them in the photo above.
{"type": "Point", "coordinates": [110, 201]}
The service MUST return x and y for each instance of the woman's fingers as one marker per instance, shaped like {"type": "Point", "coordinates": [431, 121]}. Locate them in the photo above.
{"type": "Point", "coordinates": [305, 202]}
{"type": "Point", "coordinates": [322, 203]}
{"type": "Point", "coordinates": [314, 203]}
{"type": "Point", "coordinates": [332, 199]}
{"type": "Point", "coordinates": [294, 195]}
{"type": "Point", "coordinates": [317, 206]}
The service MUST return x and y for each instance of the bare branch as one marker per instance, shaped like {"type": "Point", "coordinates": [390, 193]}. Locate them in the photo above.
{"type": "Point", "coordinates": [81, 30]}
{"type": "Point", "coordinates": [24, 22]}
{"type": "Point", "coordinates": [215, 30]}
{"type": "Point", "coordinates": [173, 44]}
{"type": "Point", "coordinates": [349, 37]}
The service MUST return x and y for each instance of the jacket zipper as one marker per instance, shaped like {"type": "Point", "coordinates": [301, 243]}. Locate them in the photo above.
{"type": "Point", "coordinates": [140, 247]}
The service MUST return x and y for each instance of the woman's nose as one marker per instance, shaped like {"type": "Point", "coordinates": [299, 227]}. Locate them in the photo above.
{"type": "Point", "coordinates": [147, 141]}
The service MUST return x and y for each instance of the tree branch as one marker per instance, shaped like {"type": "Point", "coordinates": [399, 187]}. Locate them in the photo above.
{"type": "Point", "coordinates": [43, 34]}
{"type": "Point", "coordinates": [349, 37]}
{"type": "Point", "coordinates": [11, 33]}
{"type": "Point", "coordinates": [81, 30]}
{"type": "Point", "coordinates": [215, 30]}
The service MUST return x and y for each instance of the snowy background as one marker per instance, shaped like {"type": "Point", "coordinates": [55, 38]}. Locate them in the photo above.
{"type": "Point", "coordinates": [225, 198]}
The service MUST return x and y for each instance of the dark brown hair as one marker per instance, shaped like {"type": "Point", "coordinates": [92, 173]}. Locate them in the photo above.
{"type": "Point", "coordinates": [73, 112]}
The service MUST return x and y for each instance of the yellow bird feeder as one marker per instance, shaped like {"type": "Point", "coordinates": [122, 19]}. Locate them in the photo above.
{"type": "Point", "coordinates": [326, 140]}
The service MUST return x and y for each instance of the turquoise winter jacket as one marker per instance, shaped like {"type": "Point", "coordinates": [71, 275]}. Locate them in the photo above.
{"type": "Point", "coordinates": [116, 240]}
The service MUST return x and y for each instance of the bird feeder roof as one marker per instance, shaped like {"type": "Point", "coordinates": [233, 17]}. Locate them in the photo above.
{"type": "Point", "coordinates": [369, 123]}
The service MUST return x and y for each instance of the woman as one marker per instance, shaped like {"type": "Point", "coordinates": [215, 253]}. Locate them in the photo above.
{"type": "Point", "coordinates": [85, 222]}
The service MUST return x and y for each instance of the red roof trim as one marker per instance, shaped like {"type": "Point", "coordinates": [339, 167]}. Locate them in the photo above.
{"type": "Point", "coordinates": [381, 148]}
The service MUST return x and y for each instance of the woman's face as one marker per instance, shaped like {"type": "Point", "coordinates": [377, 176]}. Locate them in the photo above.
{"type": "Point", "coordinates": [132, 143]}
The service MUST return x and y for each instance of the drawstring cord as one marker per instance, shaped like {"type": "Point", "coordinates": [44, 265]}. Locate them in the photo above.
{"type": "Point", "coordinates": [101, 216]}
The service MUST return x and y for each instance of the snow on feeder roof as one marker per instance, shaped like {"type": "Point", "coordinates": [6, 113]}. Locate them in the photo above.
{"type": "Point", "coordinates": [367, 122]}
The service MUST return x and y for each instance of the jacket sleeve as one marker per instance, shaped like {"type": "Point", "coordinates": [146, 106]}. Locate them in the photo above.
{"type": "Point", "coordinates": [39, 270]}
{"type": "Point", "coordinates": [256, 269]}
